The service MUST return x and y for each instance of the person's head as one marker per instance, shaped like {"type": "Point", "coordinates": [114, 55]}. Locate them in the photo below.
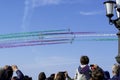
{"type": "Point", "coordinates": [14, 67]}
{"type": "Point", "coordinates": [93, 66]}
{"type": "Point", "coordinates": [8, 72]}
{"type": "Point", "coordinates": [6, 67]}
{"type": "Point", "coordinates": [60, 76]}
{"type": "Point", "coordinates": [107, 75]}
{"type": "Point", "coordinates": [97, 74]}
{"type": "Point", "coordinates": [52, 76]}
{"type": "Point", "coordinates": [115, 69]}
{"type": "Point", "coordinates": [41, 76]}
{"type": "Point", "coordinates": [84, 60]}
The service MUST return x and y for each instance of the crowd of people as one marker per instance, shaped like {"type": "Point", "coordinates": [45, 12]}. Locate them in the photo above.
{"type": "Point", "coordinates": [83, 72]}
{"type": "Point", "coordinates": [6, 73]}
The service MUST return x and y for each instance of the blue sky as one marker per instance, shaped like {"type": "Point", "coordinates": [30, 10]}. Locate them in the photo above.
{"type": "Point", "coordinates": [18, 16]}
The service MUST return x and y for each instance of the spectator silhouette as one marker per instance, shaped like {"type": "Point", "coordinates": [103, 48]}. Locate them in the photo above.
{"type": "Point", "coordinates": [60, 76]}
{"type": "Point", "coordinates": [20, 75]}
{"type": "Point", "coordinates": [26, 77]}
{"type": "Point", "coordinates": [6, 73]}
{"type": "Point", "coordinates": [97, 73]}
{"type": "Point", "coordinates": [82, 72]}
{"type": "Point", "coordinates": [52, 76]}
{"type": "Point", "coordinates": [116, 72]}
{"type": "Point", "coordinates": [41, 76]}
{"type": "Point", "coordinates": [107, 75]}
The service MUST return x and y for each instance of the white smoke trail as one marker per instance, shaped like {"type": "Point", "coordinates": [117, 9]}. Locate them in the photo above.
{"type": "Point", "coordinates": [29, 8]}
{"type": "Point", "coordinates": [95, 35]}
{"type": "Point", "coordinates": [28, 11]}
{"type": "Point", "coordinates": [30, 5]}
{"type": "Point", "coordinates": [91, 13]}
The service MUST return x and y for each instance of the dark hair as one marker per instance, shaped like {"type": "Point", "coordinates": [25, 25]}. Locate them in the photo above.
{"type": "Point", "coordinates": [60, 76]}
{"type": "Point", "coordinates": [8, 73]}
{"type": "Point", "coordinates": [91, 65]}
{"type": "Point", "coordinates": [107, 75]}
{"type": "Point", "coordinates": [52, 76]}
{"type": "Point", "coordinates": [26, 77]}
{"type": "Point", "coordinates": [42, 76]}
{"type": "Point", "coordinates": [97, 74]}
{"type": "Point", "coordinates": [49, 78]}
{"type": "Point", "coordinates": [84, 60]}
{"type": "Point", "coordinates": [116, 69]}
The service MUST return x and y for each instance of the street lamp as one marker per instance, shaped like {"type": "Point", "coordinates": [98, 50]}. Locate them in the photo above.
{"type": "Point", "coordinates": [110, 6]}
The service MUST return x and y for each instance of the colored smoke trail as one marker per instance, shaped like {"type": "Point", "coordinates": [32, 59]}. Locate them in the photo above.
{"type": "Point", "coordinates": [35, 41]}
{"type": "Point", "coordinates": [21, 45]}
{"type": "Point", "coordinates": [33, 34]}
{"type": "Point", "coordinates": [27, 34]}
{"type": "Point", "coordinates": [51, 37]}
{"type": "Point", "coordinates": [98, 39]}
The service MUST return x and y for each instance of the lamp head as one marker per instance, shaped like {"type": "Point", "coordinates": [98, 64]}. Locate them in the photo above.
{"type": "Point", "coordinates": [109, 8]}
{"type": "Point", "coordinates": [118, 59]}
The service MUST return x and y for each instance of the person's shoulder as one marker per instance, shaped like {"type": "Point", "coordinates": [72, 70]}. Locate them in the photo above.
{"type": "Point", "coordinates": [2, 69]}
{"type": "Point", "coordinates": [82, 77]}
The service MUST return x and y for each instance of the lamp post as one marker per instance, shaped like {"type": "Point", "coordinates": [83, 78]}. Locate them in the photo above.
{"type": "Point", "coordinates": [110, 6]}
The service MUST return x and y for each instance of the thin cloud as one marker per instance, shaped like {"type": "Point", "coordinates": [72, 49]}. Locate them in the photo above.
{"type": "Point", "coordinates": [71, 1]}
{"type": "Point", "coordinates": [37, 3]}
{"type": "Point", "coordinates": [91, 13]}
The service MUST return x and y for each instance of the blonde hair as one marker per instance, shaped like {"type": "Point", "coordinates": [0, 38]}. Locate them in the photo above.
{"type": "Point", "coordinates": [116, 69]}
